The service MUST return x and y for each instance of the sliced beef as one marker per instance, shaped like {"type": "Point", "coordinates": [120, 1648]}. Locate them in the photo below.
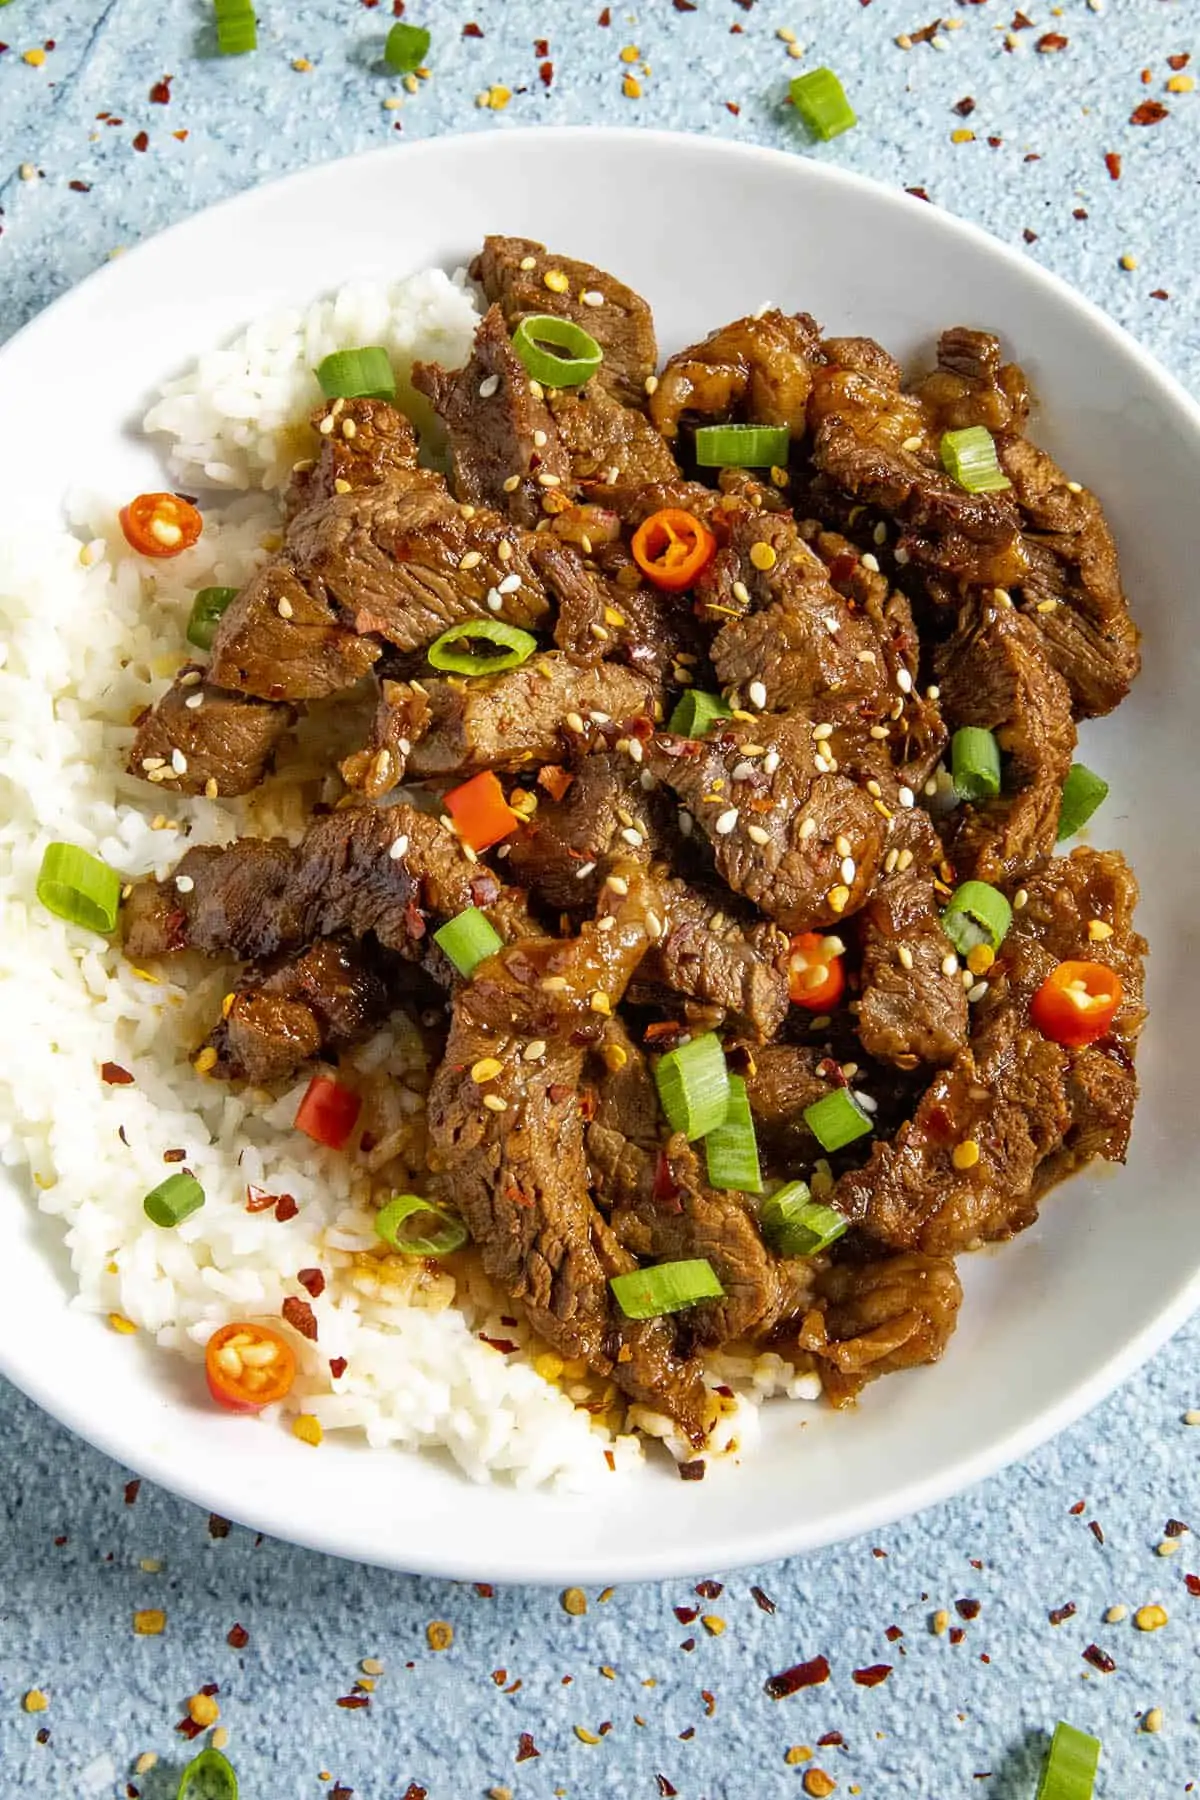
{"type": "Point", "coordinates": [503, 440]}
{"type": "Point", "coordinates": [201, 739]}
{"type": "Point", "coordinates": [912, 1008]}
{"type": "Point", "coordinates": [993, 674]}
{"type": "Point", "coordinates": [877, 1317]}
{"type": "Point", "coordinates": [973, 385]}
{"type": "Point", "coordinates": [783, 1081]}
{"type": "Point", "coordinates": [525, 279]}
{"type": "Point", "coordinates": [757, 369]}
{"type": "Point", "coordinates": [1033, 1110]}
{"type": "Point", "coordinates": [391, 871]}
{"type": "Point", "coordinates": [733, 972]}
{"type": "Point", "coordinates": [332, 994]}
{"type": "Point", "coordinates": [1071, 560]}
{"type": "Point", "coordinates": [625, 618]}
{"type": "Point", "coordinates": [602, 816]}
{"type": "Point", "coordinates": [608, 444]}
{"type": "Point", "coordinates": [517, 1170]}
{"type": "Point", "coordinates": [361, 443]}
{"type": "Point", "coordinates": [777, 822]}
{"type": "Point", "coordinates": [279, 642]}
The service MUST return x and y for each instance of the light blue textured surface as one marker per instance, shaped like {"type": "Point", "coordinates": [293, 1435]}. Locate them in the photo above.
{"type": "Point", "coordinates": [946, 1723]}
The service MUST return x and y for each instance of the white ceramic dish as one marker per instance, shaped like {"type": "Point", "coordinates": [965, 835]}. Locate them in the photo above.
{"type": "Point", "coordinates": [1052, 1321]}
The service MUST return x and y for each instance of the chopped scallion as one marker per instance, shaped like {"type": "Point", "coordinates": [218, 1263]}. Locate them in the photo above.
{"type": "Point", "coordinates": [391, 1219]}
{"type": "Point", "coordinates": [78, 887]}
{"type": "Point", "coordinates": [975, 764]}
{"type": "Point", "coordinates": [731, 1149]}
{"type": "Point", "coordinates": [742, 446]}
{"type": "Point", "coordinates": [820, 99]}
{"type": "Point", "coordinates": [468, 940]}
{"type": "Point", "coordinates": [969, 457]}
{"type": "Point", "coordinates": [1069, 1772]}
{"type": "Point", "coordinates": [695, 711]}
{"type": "Point", "coordinates": [1083, 791]}
{"type": "Point", "coordinates": [795, 1224]}
{"type": "Point", "coordinates": [406, 48]}
{"type": "Point", "coordinates": [173, 1200]}
{"type": "Point", "coordinates": [514, 647]}
{"type": "Point", "coordinates": [693, 1086]}
{"type": "Point", "coordinates": [580, 354]}
{"type": "Point", "coordinates": [212, 1777]}
{"type": "Point", "coordinates": [976, 913]}
{"type": "Point", "coordinates": [237, 29]}
{"type": "Point", "coordinates": [665, 1288]}
{"type": "Point", "coordinates": [208, 607]}
{"type": "Point", "coordinates": [835, 1120]}
{"type": "Point", "coordinates": [362, 374]}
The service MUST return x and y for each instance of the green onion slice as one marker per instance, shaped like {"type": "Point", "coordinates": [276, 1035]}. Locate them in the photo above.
{"type": "Point", "coordinates": [212, 1776]}
{"type": "Point", "coordinates": [969, 457]}
{"type": "Point", "coordinates": [362, 374]}
{"type": "Point", "coordinates": [976, 913]}
{"type": "Point", "coordinates": [173, 1200]}
{"type": "Point", "coordinates": [1083, 791]}
{"type": "Point", "coordinates": [406, 48]}
{"type": "Point", "coordinates": [665, 1288]}
{"type": "Point", "coordinates": [693, 1086]}
{"type": "Point", "coordinates": [76, 886]}
{"type": "Point", "coordinates": [208, 606]}
{"type": "Point", "coordinates": [797, 1225]}
{"type": "Point", "coordinates": [820, 99]}
{"type": "Point", "coordinates": [513, 647]}
{"type": "Point", "coordinates": [237, 29]}
{"type": "Point", "coordinates": [580, 354]}
{"type": "Point", "coordinates": [400, 1209]}
{"type": "Point", "coordinates": [695, 712]}
{"type": "Point", "coordinates": [975, 764]}
{"type": "Point", "coordinates": [1069, 1772]}
{"type": "Point", "coordinates": [468, 940]}
{"type": "Point", "coordinates": [732, 1148]}
{"type": "Point", "coordinates": [742, 446]}
{"type": "Point", "coordinates": [835, 1120]}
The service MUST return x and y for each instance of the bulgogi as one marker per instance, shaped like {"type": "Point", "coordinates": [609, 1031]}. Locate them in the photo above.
{"type": "Point", "coordinates": [751, 1015]}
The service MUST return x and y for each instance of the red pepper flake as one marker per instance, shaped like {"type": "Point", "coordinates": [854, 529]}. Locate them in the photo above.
{"type": "Point", "coordinates": [1159, 294]}
{"type": "Point", "coordinates": [285, 1208]}
{"type": "Point", "coordinates": [1175, 1528]}
{"type": "Point", "coordinates": [514, 1687]}
{"type": "Point", "coordinates": [504, 1345]}
{"type": "Point", "coordinates": [112, 1072]}
{"type": "Point", "coordinates": [688, 1645]}
{"type": "Point", "coordinates": [300, 1316]}
{"type": "Point", "coordinates": [872, 1676]}
{"type": "Point", "coordinates": [918, 193]}
{"type": "Point", "coordinates": [984, 1657]}
{"type": "Point", "coordinates": [710, 1702]}
{"type": "Point", "coordinates": [541, 46]}
{"type": "Point", "coordinates": [258, 1200]}
{"type": "Point", "coordinates": [995, 142]}
{"type": "Point", "coordinates": [1058, 1614]}
{"type": "Point", "coordinates": [1050, 41]}
{"type": "Point", "coordinates": [684, 6]}
{"type": "Point", "coordinates": [800, 1675]}
{"type": "Point", "coordinates": [731, 106]}
{"type": "Point", "coordinates": [709, 1590]}
{"type": "Point", "coordinates": [1112, 162]}
{"type": "Point", "coordinates": [555, 780]}
{"type": "Point", "coordinates": [1179, 62]}
{"type": "Point", "coordinates": [546, 72]}
{"type": "Point", "coordinates": [975, 1562]}
{"type": "Point", "coordinates": [666, 1789]}
{"type": "Point", "coordinates": [174, 1156]}
{"type": "Point", "coordinates": [471, 29]}
{"type": "Point", "coordinates": [414, 1791]}
{"type": "Point", "coordinates": [59, 1542]}
{"type": "Point", "coordinates": [217, 1526]}
{"type": "Point", "coordinates": [692, 1471]}
{"type": "Point", "coordinates": [964, 107]}
{"type": "Point", "coordinates": [893, 1634]}
{"type": "Point", "coordinates": [312, 1281]}
{"type": "Point", "coordinates": [1099, 1659]}
{"type": "Point", "coordinates": [160, 93]}
{"type": "Point", "coordinates": [1094, 1528]}
{"type": "Point", "coordinates": [500, 1676]}
{"type": "Point", "coordinates": [353, 1702]}
{"type": "Point", "coordinates": [142, 141]}
{"type": "Point", "coordinates": [132, 1490]}
{"type": "Point", "coordinates": [685, 1614]}
{"type": "Point", "coordinates": [189, 1729]}
{"type": "Point", "coordinates": [763, 1601]}
{"type": "Point", "coordinates": [1079, 212]}
{"type": "Point", "coordinates": [1150, 112]}
{"type": "Point", "coordinates": [43, 1736]}
{"type": "Point", "coordinates": [1192, 1584]}
{"type": "Point", "coordinates": [337, 1367]}
{"type": "Point", "coordinates": [833, 1738]}
{"type": "Point", "coordinates": [1077, 1508]}
{"type": "Point", "coordinates": [605, 17]}
{"type": "Point", "coordinates": [1147, 77]}
{"type": "Point", "coordinates": [967, 1609]}
{"type": "Point", "coordinates": [688, 1733]}
{"type": "Point", "coordinates": [338, 1792]}
{"type": "Point", "coordinates": [878, 1554]}
{"type": "Point", "coordinates": [1033, 156]}
{"type": "Point", "coordinates": [957, 1634]}
{"type": "Point", "coordinates": [237, 1637]}
{"type": "Point", "coordinates": [1021, 23]}
{"type": "Point", "coordinates": [526, 1748]}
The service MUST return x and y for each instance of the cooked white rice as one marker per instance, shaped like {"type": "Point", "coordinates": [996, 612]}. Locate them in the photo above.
{"type": "Point", "coordinates": [89, 635]}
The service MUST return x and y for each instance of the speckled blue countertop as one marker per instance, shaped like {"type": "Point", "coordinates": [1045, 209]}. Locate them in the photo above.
{"type": "Point", "coordinates": [1070, 128]}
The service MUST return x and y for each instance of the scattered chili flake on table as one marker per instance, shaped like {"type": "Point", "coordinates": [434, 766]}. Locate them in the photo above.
{"type": "Point", "coordinates": [439, 1634]}
{"type": "Point", "coordinates": [688, 1644]}
{"type": "Point", "coordinates": [353, 1702]}
{"type": "Point", "coordinates": [1112, 163]}
{"type": "Point", "coordinates": [237, 1637]}
{"type": "Point", "coordinates": [1192, 1584]}
{"type": "Point", "coordinates": [712, 1590]}
{"type": "Point", "coordinates": [1059, 1614]}
{"type": "Point", "coordinates": [1175, 1528]}
{"type": "Point", "coordinates": [1099, 1659]}
{"type": "Point", "coordinates": [763, 1601]}
{"type": "Point", "coordinates": [666, 1788]}
{"type": "Point", "coordinates": [685, 1614]}
{"type": "Point", "coordinates": [1050, 41]}
{"type": "Point", "coordinates": [872, 1676]}
{"type": "Point", "coordinates": [964, 107]}
{"type": "Point", "coordinates": [141, 141]}
{"type": "Point", "coordinates": [968, 1609]}
{"type": "Point", "coordinates": [710, 1702]}
{"type": "Point", "coordinates": [217, 1526]}
{"type": "Point", "coordinates": [132, 1490]}
{"type": "Point", "coordinates": [573, 1600]}
{"type": "Point", "coordinates": [892, 1633]}
{"type": "Point", "coordinates": [800, 1675]}
{"type": "Point", "coordinates": [957, 1634]}
{"type": "Point", "coordinates": [1150, 112]}
{"type": "Point", "coordinates": [526, 1748]}
{"type": "Point", "coordinates": [1096, 1531]}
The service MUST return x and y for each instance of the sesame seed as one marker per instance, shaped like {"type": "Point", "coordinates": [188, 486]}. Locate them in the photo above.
{"type": "Point", "coordinates": [654, 925]}
{"type": "Point", "coordinates": [510, 584]}
{"type": "Point", "coordinates": [1075, 487]}
{"type": "Point", "coordinates": [1153, 1720]}
{"type": "Point", "coordinates": [842, 844]}
{"type": "Point", "coordinates": [326, 426]}
{"type": "Point", "coordinates": [741, 593]}
{"type": "Point", "coordinates": [617, 884]}
{"type": "Point", "coordinates": [931, 786]}
{"type": "Point", "coordinates": [904, 681]}
{"type": "Point", "coordinates": [879, 731]}
{"type": "Point", "coordinates": [901, 555]}
{"type": "Point", "coordinates": [527, 262]}
{"type": "Point", "coordinates": [488, 386]}
{"type": "Point", "coordinates": [838, 897]}
{"type": "Point", "coordinates": [874, 789]}
{"type": "Point", "coordinates": [907, 797]}
{"type": "Point", "coordinates": [757, 834]}
{"type": "Point", "coordinates": [635, 751]}
{"type": "Point", "coordinates": [210, 788]}
{"type": "Point", "coordinates": [546, 480]}
{"type": "Point", "coordinates": [870, 562]}
{"type": "Point", "coordinates": [742, 771]}
{"type": "Point", "coordinates": [511, 483]}
{"type": "Point", "coordinates": [890, 861]}
{"type": "Point", "coordinates": [1047, 606]}
{"type": "Point", "coordinates": [807, 828]}
{"type": "Point", "coordinates": [770, 762]}
{"type": "Point", "coordinates": [820, 732]}
{"type": "Point", "coordinates": [633, 836]}
{"type": "Point", "coordinates": [349, 429]}
{"type": "Point", "coordinates": [285, 609]}
{"type": "Point", "coordinates": [341, 486]}
{"type": "Point", "coordinates": [911, 443]}
{"type": "Point", "coordinates": [1001, 596]}
{"type": "Point", "coordinates": [906, 956]}
{"type": "Point", "coordinates": [1020, 899]}
{"type": "Point", "coordinates": [592, 297]}
{"type": "Point", "coordinates": [1192, 1416]}
{"type": "Point", "coordinates": [848, 870]}
{"type": "Point", "coordinates": [471, 559]}
{"type": "Point", "coordinates": [758, 695]}
{"type": "Point", "coordinates": [786, 35]}
{"type": "Point", "coordinates": [685, 821]}
{"type": "Point", "coordinates": [397, 847]}
{"type": "Point", "coordinates": [600, 1002]}
{"type": "Point", "coordinates": [494, 1103]}
{"type": "Point", "coordinates": [833, 626]}
{"type": "Point", "coordinates": [866, 1101]}
{"type": "Point", "coordinates": [179, 762]}
{"type": "Point", "coordinates": [1168, 1547]}
{"type": "Point", "coordinates": [494, 602]}
{"type": "Point", "coordinates": [556, 281]}
{"type": "Point", "coordinates": [190, 678]}
{"type": "Point", "coordinates": [950, 963]}
{"type": "Point", "coordinates": [976, 991]}
{"type": "Point", "coordinates": [763, 556]}
{"type": "Point", "coordinates": [726, 822]}
{"type": "Point", "coordinates": [194, 702]}
{"type": "Point", "coordinates": [880, 533]}
{"type": "Point", "coordinates": [966, 1154]}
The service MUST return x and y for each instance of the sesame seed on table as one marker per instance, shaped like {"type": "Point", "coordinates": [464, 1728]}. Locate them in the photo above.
{"type": "Point", "coordinates": [1068, 1587]}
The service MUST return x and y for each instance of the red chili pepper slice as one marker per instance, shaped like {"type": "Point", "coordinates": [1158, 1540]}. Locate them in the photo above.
{"type": "Point", "coordinates": [248, 1367]}
{"type": "Point", "coordinates": [1077, 1003]}
{"type": "Point", "coordinates": [672, 547]}
{"type": "Point", "coordinates": [160, 524]}
{"type": "Point", "coordinates": [816, 973]}
{"type": "Point", "coordinates": [328, 1112]}
{"type": "Point", "coordinates": [481, 814]}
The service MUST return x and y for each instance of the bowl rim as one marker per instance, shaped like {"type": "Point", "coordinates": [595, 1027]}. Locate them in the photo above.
{"type": "Point", "coordinates": [722, 1547]}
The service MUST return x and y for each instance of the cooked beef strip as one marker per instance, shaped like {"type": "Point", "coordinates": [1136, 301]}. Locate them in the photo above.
{"type": "Point", "coordinates": [502, 436]}
{"type": "Point", "coordinates": [570, 845]}
{"type": "Point", "coordinates": [513, 273]}
{"type": "Point", "coordinates": [1035, 1110]}
{"type": "Point", "coordinates": [608, 444]}
{"type": "Point", "coordinates": [200, 739]}
{"type": "Point", "coordinates": [758, 369]}
{"type": "Point", "coordinates": [789, 796]}
{"type": "Point", "coordinates": [519, 1174]}
{"type": "Point", "coordinates": [360, 443]}
{"type": "Point", "coordinates": [973, 385]}
{"type": "Point", "coordinates": [303, 652]}
{"type": "Point", "coordinates": [263, 895]}
{"type": "Point", "coordinates": [994, 674]}
{"type": "Point", "coordinates": [334, 992]}
{"type": "Point", "coordinates": [876, 1317]}
{"type": "Point", "coordinates": [735, 970]}
{"type": "Point", "coordinates": [783, 1081]}
{"type": "Point", "coordinates": [910, 1010]}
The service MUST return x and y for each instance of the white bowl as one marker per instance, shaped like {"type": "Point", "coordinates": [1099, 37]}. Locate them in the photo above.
{"type": "Point", "coordinates": [1052, 1321]}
